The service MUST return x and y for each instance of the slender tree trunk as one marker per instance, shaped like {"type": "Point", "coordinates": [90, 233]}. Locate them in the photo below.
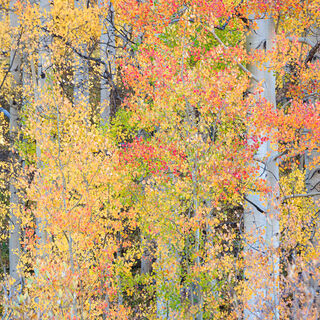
{"type": "Point", "coordinates": [312, 160]}
{"type": "Point", "coordinates": [145, 244]}
{"type": "Point", "coordinates": [313, 157]}
{"type": "Point", "coordinates": [107, 53]}
{"type": "Point", "coordinates": [166, 281]}
{"type": "Point", "coordinates": [39, 78]}
{"type": "Point", "coordinates": [81, 75]}
{"type": "Point", "coordinates": [14, 225]}
{"type": "Point", "coordinates": [146, 258]}
{"type": "Point", "coordinates": [261, 213]}
{"type": "Point", "coordinates": [313, 186]}
{"type": "Point", "coordinates": [42, 78]}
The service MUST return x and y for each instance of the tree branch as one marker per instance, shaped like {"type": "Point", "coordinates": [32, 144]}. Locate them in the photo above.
{"type": "Point", "coordinates": [302, 195]}
{"type": "Point", "coordinates": [5, 112]}
{"type": "Point", "coordinates": [304, 40]}
{"type": "Point", "coordinates": [241, 66]}
{"type": "Point", "coordinates": [312, 53]}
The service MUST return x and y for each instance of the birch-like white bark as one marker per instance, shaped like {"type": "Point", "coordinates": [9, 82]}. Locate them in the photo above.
{"type": "Point", "coordinates": [42, 75]}
{"type": "Point", "coordinates": [312, 158]}
{"type": "Point", "coordinates": [262, 212]}
{"type": "Point", "coordinates": [14, 225]}
{"type": "Point", "coordinates": [167, 269]}
{"type": "Point", "coordinates": [107, 54]}
{"type": "Point", "coordinates": [81, 73]}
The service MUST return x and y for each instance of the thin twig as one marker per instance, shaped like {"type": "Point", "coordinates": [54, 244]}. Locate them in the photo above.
{"type": "Point", "coordinates": [301, 195]}
{"type": "Point", "coordinates": [241, 66]}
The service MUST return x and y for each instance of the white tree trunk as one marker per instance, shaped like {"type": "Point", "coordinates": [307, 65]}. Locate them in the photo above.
{"type": "Point", "coordinates": [146, 258]}
{"type": "Point", "coordinates": [261, 213]}
{"type": "Point", "coordinates": [42, 78]}
{"type": "Point", "coordinates": [107, 53]}
{"type": "Point", "coordinates": [167, 270]}
{"type": "Point", "coordinates": [81, 74]}
{"type": "Point", "coordinates": [14, 225]}
{"type": "Point", "coordinates": [107, 56]}
{"type": "Point", "coordinates": [312, 160]}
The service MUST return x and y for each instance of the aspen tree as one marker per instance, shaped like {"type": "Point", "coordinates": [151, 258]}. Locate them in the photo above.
{"type": "Point", "coordinates": [107, 54]}
{"type": "Point", "coordinates": [81, 72]}
{"type": "Point", "coordinates": [15, 68]}
{"type": "Point", "coordinates": [40, 83]}
{"type": "Point", "coordinates": [261, 214]}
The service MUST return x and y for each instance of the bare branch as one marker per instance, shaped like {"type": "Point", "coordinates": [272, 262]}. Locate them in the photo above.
{"type": "Point", "coordinates": [241, 66]}
{"type": "Point", "coordinates": [312, 53]}
{"type": "Point", "coordinates": [302, 195]}
{"type": "Point", "coordinates": [304, 40]}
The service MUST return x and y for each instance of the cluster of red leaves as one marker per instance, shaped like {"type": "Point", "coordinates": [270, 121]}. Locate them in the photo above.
{"type": "Point", "coordinates": [152, 157]}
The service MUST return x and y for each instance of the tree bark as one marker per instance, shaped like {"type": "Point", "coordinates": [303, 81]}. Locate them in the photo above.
{"type": "Point", "coordinates": [14, 225]}
{"type": "Point", "coordinates": [107, 53]}
{"type": "Point", "coordinates": [261, 212]}
{"type": "Point", "coordinates": [81, 74]}
{"type": "Point", "coordinates": [42, 78]}
{"type": "Point", "coordinates": [312, 160]}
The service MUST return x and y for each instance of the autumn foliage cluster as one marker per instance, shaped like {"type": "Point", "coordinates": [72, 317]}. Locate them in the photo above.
{"type": "Point", "coordinates": [130, 160]}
